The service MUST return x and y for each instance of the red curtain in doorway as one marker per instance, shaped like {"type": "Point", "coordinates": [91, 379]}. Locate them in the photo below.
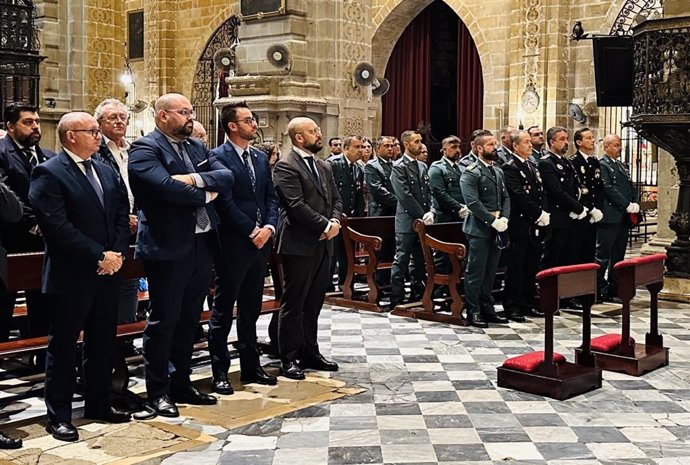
{"type": "Point", "coordinates": [409, 99]}
{"type": "Point", "coordinates": [470, 82]}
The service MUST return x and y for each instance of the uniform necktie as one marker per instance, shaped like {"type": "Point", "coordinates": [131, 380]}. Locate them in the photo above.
{"type": "Point", "coordinates": [31, 156]}
{"type": "Point", "coordinates": [387, 168]}
{"type": "Point", "coordinates": [252, 179]}
{"type": "Point", "coordinates": [492, 170]}
{"type": "Point", "coordinates": [91, 177]}
{"type": "Point", "coordinates": [202, 219]}
{"type": "Point", "coordinates": [312, 167]}
{"type": "Point", "coordinates": [456, 168]}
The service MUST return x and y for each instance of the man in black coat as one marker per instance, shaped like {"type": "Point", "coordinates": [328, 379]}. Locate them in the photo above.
{"type": "Point", "coordinates": [83, 216]}
{"type": "Point", "coordinates": [310, 206]}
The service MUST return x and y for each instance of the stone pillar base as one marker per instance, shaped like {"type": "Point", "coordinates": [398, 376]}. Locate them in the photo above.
{"type": "Point", "coordinates": [675, 289]}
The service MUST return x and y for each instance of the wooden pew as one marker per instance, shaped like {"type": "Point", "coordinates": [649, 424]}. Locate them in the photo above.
{"type": "Point", "coordinates": [367, 234]}
{"type": "Point", "coordinates": [620, 352]}
{"type": "Point", "coordinates": [547, 373]}
{"type": "Point", "coordinates": [449, 239]}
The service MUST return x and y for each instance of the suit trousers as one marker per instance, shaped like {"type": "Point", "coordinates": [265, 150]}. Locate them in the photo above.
{"type": "Point", "coordinates": [238, 280]}
{"type": "Point", "coordinates": [128, 301]}
{"type": "Point", "coordinates": [584, 244]}
{"type": "Point", "coordinates": [92, 309]}
{"type": "Point", "coordinates": [306, 280]}
{"type": "Point", "coordinates": [612, 240]}
{"type": "Point", "coordinates": [177, 289]}
{"type": "Point", "coordinates": [38, 313]}
{"type": "Point", "coordinates": [522, 263]}
{"type": "Point", "coordinates": [557, 249]}
{"type": "Point", "coordinates": [482, 261]}
{"type": "Point", "coordinates": [407, 246]}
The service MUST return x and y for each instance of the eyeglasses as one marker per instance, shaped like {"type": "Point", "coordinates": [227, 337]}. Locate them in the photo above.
{"type": "Point", "coordinates": [316, 130]}
{"type": "Point", "coordinates": [115, 117]}
{"type": "Point", "coordinates": [94, 132]}
{"type": "Point", "coordinates": [248, 121]}
{"type": "Point", "coordinates": [189, 114]}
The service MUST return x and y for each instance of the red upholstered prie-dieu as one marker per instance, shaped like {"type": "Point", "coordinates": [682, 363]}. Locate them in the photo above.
{"type": "Point", "coordinates": [567, 269]}
{"type": "Point", "coordinates": [531, 361]}
{"type": "Point", "coordinates": [607, 342]}
{"type": "Point", "coordinates": [658, 257]}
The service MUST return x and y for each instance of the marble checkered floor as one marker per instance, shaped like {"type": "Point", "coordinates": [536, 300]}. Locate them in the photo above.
{"type": "Point", "coordinates": [431, 397]}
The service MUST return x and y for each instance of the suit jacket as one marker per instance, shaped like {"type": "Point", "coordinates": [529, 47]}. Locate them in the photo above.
{"type": "Point", "coordinates": [485, 194]}
{"type": "Point", "coordinates": [562, 190]}
{"type": "Point", "coordinates": [503, 155]}
{"type": "Point", "coordinates": [16, 169]}
{"type": "Point", "coordinates": [589, 174]}
{"type": "Point", "coordinates": [526, 194]}
{"type": "Point", "coordinates": [306, 204]}
{"type": "Point", "coordinates": [167, 208]}
{"type": "Point", "coordinates": [618, 190]}
{"type": "Point", "coordinates": [76, 227]}
{"type": "Point", "coordinates": [106, 156]}
{"type": "Point", "coordinates": [377, 176]}
{"type": "Point", "coordinates": [10, 212]}
{"type": "Point", "coordinates": [351, 189]}
{"type": "Point", "coordinates": [240, 205]}
{"type": "Point", "coordinates": [412, 191]}
{"type": "Point", "coordinates": [445, 191]}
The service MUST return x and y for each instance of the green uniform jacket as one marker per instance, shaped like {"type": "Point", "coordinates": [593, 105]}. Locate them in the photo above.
{"type": "Point", "coordinates": [412, 191]}
{"type": "Point", "coordinates": [445, 191]}
{"type": "Point", "coordinates": [618, 190]}
{"type": "Point", "coordinates": [484, 194]}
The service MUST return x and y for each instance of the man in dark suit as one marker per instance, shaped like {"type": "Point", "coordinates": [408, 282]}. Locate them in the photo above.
{"type": "Point", "coordinates": [562, 189]}
{"type": "Point", "coordinates": [484, 191]}
{"type": "Point", "coordinates": [309, 210]}
{"type": "Point", "coordinates": [82, 213]}
{"type": "Point", "coordinates": [248, 219]}
{"type": "Point", "coordinates": [620, 200]}
{"type": "Point", "coordinates": [377, 174]}
{"type": "Point", "coordinates": [173, 184]}
{"type": "Point", "coordinates": [10, 212]}
{"type": "Point", "coordinates": [349, 178]}
{"type": "Point", "coordinates": [526, 229]}
{"type": "Point", "coordinates": [505, 150]}
{"type": "Point", "coordinates": [410, 182]}
{"type": "Point", "coordinates": [19, 153]}
{"type": "Point", "coordinates": [591, 196]}
{"type": "Point", "coordinates": [471, 156]}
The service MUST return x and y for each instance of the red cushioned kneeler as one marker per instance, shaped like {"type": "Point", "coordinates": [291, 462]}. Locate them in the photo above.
{"type": "Point", "coordinates": [529, 363]}
{"type": "Point", "coordinates": [634, 358]}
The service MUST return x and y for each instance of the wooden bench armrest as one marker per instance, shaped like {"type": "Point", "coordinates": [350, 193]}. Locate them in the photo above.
{"type": "Point", "coordinates": [452, 248]}
{"type": "Point", "coordinates": [371, 243]}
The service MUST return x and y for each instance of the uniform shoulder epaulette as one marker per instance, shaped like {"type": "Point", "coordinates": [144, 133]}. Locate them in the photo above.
{"type": "Point", "coordinates": [548, 155]}
{"type": "Point", "coordinates": [510, 162]}
{"type": "Point", "coordinates": [472, 167]}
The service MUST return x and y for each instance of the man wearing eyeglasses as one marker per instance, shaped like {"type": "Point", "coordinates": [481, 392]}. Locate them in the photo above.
{"type": "Point", "coordinates": [174, 184]}
{"type": "Point", "coordinates": [83, 215]}
{"type": "Point", "coordinates": [248, 219]}
{"type": "Point", "coordinates": [310, 206]}
{"type": "Point", "coordinates": [19, 154]}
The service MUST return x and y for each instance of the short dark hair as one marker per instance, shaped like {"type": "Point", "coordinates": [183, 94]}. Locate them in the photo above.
{"type": "Point", "coordinates": [529, 129]}
{"type": "Point", "coordinates": [578, 135]}
{"type": "Point", "coordinates": [13, 110]}
{"type": "Point", "coordinates": [479, 132]}
{"type": "Point", "coordinates": [551, 133]}
{"type": "Point", "coordinates": [334, 138]}
{"type": "Point", "coordinates": [406, 135]}
{"type": "Point", "coordinates": [349, 139]}
{"type": "Point", "coordinates": [229, 113]}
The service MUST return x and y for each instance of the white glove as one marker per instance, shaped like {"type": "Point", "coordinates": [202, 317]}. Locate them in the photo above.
{"type": "Point", "coordinates": [464, 212]}
{"type": "Point", "coordinates": [428, 218]}
{"type": "Point", "coordinates": [573, 215]}
{"type": "Point", "coordinates": [544, 219]}
{"type": "Point", "coordinates": [583, 214]}
{"type": "Point", "coordinates": [500, 224]}
{"type": "Point", "coordinates": [633, 207]}
{"type": "Point", "coordinates": [596, 215]}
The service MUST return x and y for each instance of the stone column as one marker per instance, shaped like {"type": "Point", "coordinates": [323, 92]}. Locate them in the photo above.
{"type": "Point", "coordinates": [160, 24]}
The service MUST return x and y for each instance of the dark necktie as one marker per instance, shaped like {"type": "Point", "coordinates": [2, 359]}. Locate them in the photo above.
{"type": "Point", "coordinates": [31, 156]}
{"type": "Point", "coordinates": [312, 167]}
{"type": "Point", "coordinates": [91, 177]}
{"type": "Point", "coordinates": [415, 167]}
{"type": "Point", "coordinates": [492, 171]}
{"type": "Point", "coordinates": [202, 219]}
{"type": "Point", "coordinates": [387, 168]}
{"type": "Point", "coordinates": [456, 168]}
{"type": "Point", "coordinates": [252, 179]}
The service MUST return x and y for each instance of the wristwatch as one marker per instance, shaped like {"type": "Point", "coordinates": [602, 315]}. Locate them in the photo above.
{"type": "Point", "coordinates": [102, 257]}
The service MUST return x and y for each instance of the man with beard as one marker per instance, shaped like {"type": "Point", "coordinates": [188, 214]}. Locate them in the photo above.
{"type": "Point", "coordinates": [591, 196]}
{"type": "Point", "coordinates": [248, 219]}
{"type": "Point", "coordinates": [486, 196]}
{"type": "Point", "coordinates": [173, 184]}
{"type": "Point", "coordinates": [536, 135]}
{"type": "Point", "coordinates": [309, 210]}
{"type": "Point", "coordinates": [19, 154]}
{"type": "Point", "coordinates": [527, 220]}
{"type": "Point", "coordinates": [410, 183]}
{"type": "Point", "coordinates": [505, 150]}
{"type": "Point", "coordinates": [562, 192]}
{"type": "Point", "coordinates": [471, 156]}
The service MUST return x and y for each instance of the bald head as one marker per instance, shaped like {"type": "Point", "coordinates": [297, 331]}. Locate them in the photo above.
{"type": "Point", "coordinates": [305, 134]}
{"type": "Point", "coordinates": [612, 146]}
{"type": "Point", "coordinates": [79, 133]}
{"type": "Point", "coordinates": [174, 116]}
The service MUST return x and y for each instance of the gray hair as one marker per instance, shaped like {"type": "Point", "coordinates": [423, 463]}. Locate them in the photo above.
{"type": "Point", "coordinates": [98, 112]}
{"type": "Point", "coordinates": [515, 136]}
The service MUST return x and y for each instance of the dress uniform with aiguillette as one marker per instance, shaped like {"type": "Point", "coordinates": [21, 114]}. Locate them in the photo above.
{"type": "Point", "coordinates": [591, 196]}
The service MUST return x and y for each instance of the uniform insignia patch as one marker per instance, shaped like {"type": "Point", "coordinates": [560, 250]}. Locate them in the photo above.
{"type": "Point", "coordinates": [559, 166]}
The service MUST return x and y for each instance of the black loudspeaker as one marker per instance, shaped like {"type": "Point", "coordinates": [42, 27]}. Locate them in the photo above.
{"type": "Point", "coordinates": [613, 70]}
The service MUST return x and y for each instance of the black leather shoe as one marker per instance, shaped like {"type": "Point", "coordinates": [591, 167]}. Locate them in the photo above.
{"type": "Point", "coordinates": [223, 386]}
{"type": "Point", "coordinates": [112, 415]}
{"type": "Point", "coordinates": [614, 300]}
{"type": "Point", "coordinates": [517, 317]}
{"type": "Point", "coordinates": [189, 394]}
{"type": "Point", "coordinates": [494, 318]}
{"type": "Point", "coordinates": [572, 304]}
{"type": "Point", "coordinates": [534, 313]}
{"type": "Point", "coordinates": [164, 407]}
{"type": "Point", "coordinates": [477, 321]}
{"type": "Point", "coordinates": [291, 370]}
{"type": "Point", "coordinates": [63, 431]}
{"type": "Point", "coordinates": [7, 442]}
{"type": "Point", "coordinates": [394, 303]}
{"type": "Point", "coordinates": [318, 362]}
{"type": "Point", "coordinates": [259, 376]}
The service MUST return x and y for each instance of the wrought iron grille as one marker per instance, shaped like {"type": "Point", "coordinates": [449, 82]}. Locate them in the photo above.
{"type": "Point", "coordinates": [634, 12]}
{"type": "Point", "coordinates": [209, 82]}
